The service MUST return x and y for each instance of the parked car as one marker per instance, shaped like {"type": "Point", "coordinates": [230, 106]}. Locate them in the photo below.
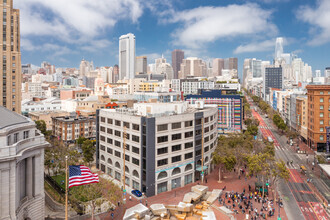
{"type": "Point", "coordinates": [137, 193]}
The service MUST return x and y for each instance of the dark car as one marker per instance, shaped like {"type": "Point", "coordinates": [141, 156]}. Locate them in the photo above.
{"type": "Point", "coordinates": [137, 193]}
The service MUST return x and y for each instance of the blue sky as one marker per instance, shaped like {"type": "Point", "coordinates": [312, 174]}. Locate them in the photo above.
{"type": "Point", "coordinates": [63, 32]}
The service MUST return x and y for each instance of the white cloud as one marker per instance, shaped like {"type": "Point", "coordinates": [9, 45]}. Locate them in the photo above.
{"type": "Point", "coordinates": [208, 24]}
{"type": "Point", "coordinates": [273, 1]}
{"type": "Point", "coordinates": [319, 19]}
{"type": "Point", "coordinates": [262, 46]}
{"type": "Point", "coordinates": [96, 45]}
{"type": "Point", "coordinates": [74, 21]}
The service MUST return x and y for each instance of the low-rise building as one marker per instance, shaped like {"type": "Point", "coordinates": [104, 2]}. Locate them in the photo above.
{"type": "Point", "coordinates": [41, 105]}
{"type": "Point", "coordinates": [163, 144]}
{"type": "Point", "coordinates": [21, 168]}
{"type": "Point", "coordinates": [46, 116]}
{"type": "Point", "coordinates": [69, 128]}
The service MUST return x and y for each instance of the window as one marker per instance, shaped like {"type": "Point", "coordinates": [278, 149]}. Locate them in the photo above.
{"type": "Point", "coordinates": [163, 150]}
{"type": "Point", "coordinates": [162, 187]}
{"type": "Point", "coordinates": [109, 150]}
{"type": "Point", "coordinates": [162, 175]}
{"type": "Point", "coordinates": [187, 179]}
{"type": "Point", "coordinates": [188, 156]}
{"type": "Point", "coordinates": [162, 162]}
{"type": "Point", "coordinates": [8, 140]}
{"type": "Point", "coordinates": [176, 125]}
{"type": "Point", "coordinates": [176, 137]}
{"type": "Point", "coordinates": [102, 148]}
{"type": "Point", "coordinates": [321, 129]}
{"type": "Point", "coordinates": [206, 120]}
{"type": "Point", "coordinates": [102, 119]}
{"type": "Point", "coordinates": [321, 114]}
{"type": "Point", "coordinates": [136, 127]}
{"type": "Point", "coordinates": [321, 137]}
{"type": "Point", "coordinates": [162, 127]}
{"type": "Point", "coordinates": [321, 100]}
{"type": "Point", "coordinates": [135, 161]}
{"type": "Point", "coordinates": [126, 157]}
{"type": "Point", "coordinates": [102, 138]}
{"type": "Point", "coordinates": [176, 147]}
{"type": "Point", "coordinates": [102, 129]}
{"type": "Point", "coordinates": [118, 133]}
{"type": "Point", "coordinates": [321, 107]}
{"type": "Point", "coordinates": [162, 139]}
{"type": "Point", "coordinates": [198, 121]}
{"type": "Point", "coordinates": [321, 93]}
{"type": "Point", "coordinates": [135, 150]}
{"type": "Point", "coordinates": [26, 134]}
{"type": "Point", "coordinates": [188, 145]}
{"type": "Point", "coordinates": [206, 149]}
{"type": "Point", "coordinates": [117, 123]}
{"type": "Point", "coordinates": [199, 132]}
{"type": "Point", "coordinates": [117, 143]}
{"type": "Point", "coordinates": [15, 137]}
{"type": "Point", "coordinates": [188, 134]}
{"type": "Point", "coordinates": [207, 129]}
{"type": "Point", "coordinates": [109, 141]}
{"type": "Point", "coordinates": [321, 122]}
{"type": "Point", "coordinates": [135, 139]}
{"type": "Point", "coordinates": [126, 124]}
{"type": "Point", "coordinates": [109, 131]}
{"type": "Point", "coordinates": [176, 171]}
{"type": "Point", "coordinates": [176, 159]}
{"type": "Point", "coordinates": [110, 121]}
{"type": "Point", "coordinates": [117, 154]}
{"type": "Point", "coordinates": [188, 123]}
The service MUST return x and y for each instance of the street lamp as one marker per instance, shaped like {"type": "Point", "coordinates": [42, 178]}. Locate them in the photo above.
{"type": "Point", "coordinates": [174, 189]}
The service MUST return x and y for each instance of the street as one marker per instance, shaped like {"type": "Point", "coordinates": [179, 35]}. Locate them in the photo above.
{"type": "Point", "coordinates": [306, 203]}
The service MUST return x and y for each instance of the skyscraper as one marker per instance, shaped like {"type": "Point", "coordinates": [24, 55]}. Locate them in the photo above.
{"type": "Point", "coordinates": [141, 65]}
{"type": "Point", "coordinates": [11, 80]}
{"type": "Point", "coordinates": [177, 57]}
{"type": "Point", "coordinates": [192, 66]}
{"type": "Point", "coordinates": [231, 63]}
{"type": "Point", "coordinates": [218, 66]}
{"type": "Point", "coordinates": [279, 48]}
{"type": "Point", "coordinates": [127, 56]}
{"type": "Point", "coordinates": [273, 78]}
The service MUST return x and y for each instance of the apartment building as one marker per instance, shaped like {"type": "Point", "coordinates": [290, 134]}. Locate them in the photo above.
{"type": "Point", "coordinates": [46, 116]}
{"type": "Point", "coordinates": [301, 114]}
{"type": "Point", "coordinates": [69, 128]}
{"type": "Point", "coordinates": [163, 144]}
{"type": "Point", "coordinates": [318, 116]}
{"type": "Point", "coordinates": [230, 108]}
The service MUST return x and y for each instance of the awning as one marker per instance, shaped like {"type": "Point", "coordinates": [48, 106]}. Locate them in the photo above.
{"type": "Point", "coordinates": [200, 168]}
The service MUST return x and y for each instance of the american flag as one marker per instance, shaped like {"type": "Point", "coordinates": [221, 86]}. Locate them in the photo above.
{"type": "Point", "coordinates": [81, 175]}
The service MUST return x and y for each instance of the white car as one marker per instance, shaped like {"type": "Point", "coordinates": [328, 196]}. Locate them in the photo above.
{"type": "Point", "coordinates": [270, 139]}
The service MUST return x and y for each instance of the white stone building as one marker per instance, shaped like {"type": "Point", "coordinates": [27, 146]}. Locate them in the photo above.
{"type": "Point", "coordinates": [21, 168]}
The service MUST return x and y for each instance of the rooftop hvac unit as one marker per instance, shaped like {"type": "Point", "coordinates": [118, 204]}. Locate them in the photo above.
{"type": "Point", "coordinates": [199, 104]}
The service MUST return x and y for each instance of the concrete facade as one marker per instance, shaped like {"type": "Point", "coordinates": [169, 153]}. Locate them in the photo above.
{"type": "Point", "coordinates": [163, 148]}
{"type": "Point", "coordinates": [21, 168]}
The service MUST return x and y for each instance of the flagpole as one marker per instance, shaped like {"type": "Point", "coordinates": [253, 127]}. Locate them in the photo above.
{"type": "Point", "coordinates": [66, 187]}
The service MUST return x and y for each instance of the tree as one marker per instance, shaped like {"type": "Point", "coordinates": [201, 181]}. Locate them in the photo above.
{"type": "Point", "coordinates": [80, 140]}
{"type": "Point", "coordinates": [253, 130]}
{"type": "Point", "coordinates": [97, 193]}
{"type": "Point", "coordinates": [279, 171]}
{"type": "Point", "coordinates": [89, 150]}
{"type": "Point", "coordinates": [41, 126]}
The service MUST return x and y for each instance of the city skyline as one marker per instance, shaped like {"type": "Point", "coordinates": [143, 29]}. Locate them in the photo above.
{"type": "Point", "coordinates": [160, 28]}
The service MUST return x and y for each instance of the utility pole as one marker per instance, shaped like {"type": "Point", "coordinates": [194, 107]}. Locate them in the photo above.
{"type": "Point", "coordinates": [202, 119]}
{"type": "Point", "coordinates": [124, 155]}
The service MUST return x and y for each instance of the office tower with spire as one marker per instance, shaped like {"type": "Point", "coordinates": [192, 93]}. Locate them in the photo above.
{"type": "Point", "coordinates": [127, 56]}
{"type": "Point", "coordinates": [11, 80]}
{"type": "Point", "coordinates": [177, 57]}
{"type": "Point", "coordinates": [279, 48]}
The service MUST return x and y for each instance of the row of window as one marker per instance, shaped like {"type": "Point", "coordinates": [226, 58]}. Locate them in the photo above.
{"type": "Point", "coordinates": [12, 139]}
{"type": "Point", "coordinates": [135, 127]}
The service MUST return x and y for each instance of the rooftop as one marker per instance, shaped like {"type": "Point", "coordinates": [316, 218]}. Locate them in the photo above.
{"type": "Point", "coordinates": [326, 168]}
{"type": "Point", "coordinates": [9, 118]}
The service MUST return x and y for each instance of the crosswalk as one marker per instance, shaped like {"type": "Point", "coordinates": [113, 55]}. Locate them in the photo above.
{"type": "Point", "coordinates": [264, 127]}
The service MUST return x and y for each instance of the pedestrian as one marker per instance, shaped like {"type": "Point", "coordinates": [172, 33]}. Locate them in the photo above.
{"type": "Point", "coordinates": [118, 203]}
{"type": "Point", "coordinates": [141, 201]}
{"type": "Point", "coordinates": [146, 203]}
{"type": "Point", "coordinates": [130, 198]}
{"type": "Point", "coordinates": [205, 180]}
{"type": "Point", "coordinates": [112, 215]}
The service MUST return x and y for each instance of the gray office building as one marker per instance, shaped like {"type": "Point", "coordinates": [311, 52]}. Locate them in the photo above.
{"type": "Point", "coordinates": [177, 57]}
{"type": "Point", "coordinates": [273, 78]}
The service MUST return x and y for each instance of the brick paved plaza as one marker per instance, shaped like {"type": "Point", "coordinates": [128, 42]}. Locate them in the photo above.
{"type": "Point", "coordinates": [230, 180]}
